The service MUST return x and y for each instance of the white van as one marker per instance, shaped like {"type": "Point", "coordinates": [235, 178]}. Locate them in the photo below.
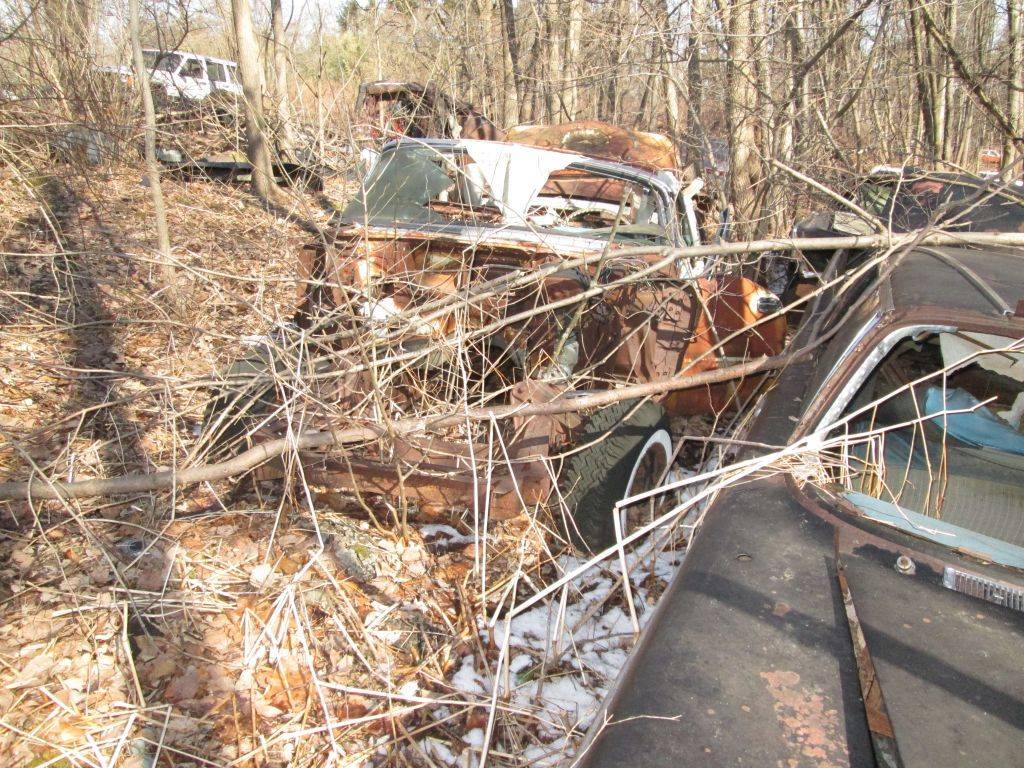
{"type": "Point", "coordinates": [184, 75]}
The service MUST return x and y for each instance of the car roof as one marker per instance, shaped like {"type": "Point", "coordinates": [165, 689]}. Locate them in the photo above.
{"type": "Point", "coordinates": [593, 138]}
{"type": "Point", "coordinates": [942, 277]}
{"type": "Point", "coordinates": [908, 174]}
{"type": "Point", "coordinates": [656, 178]}
{"type": "Point", "coordinates": [192, 55]}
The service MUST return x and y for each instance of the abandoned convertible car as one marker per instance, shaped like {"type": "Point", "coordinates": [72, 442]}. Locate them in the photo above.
{"type": "Point", "coordinates": [479, 274]}
{"type": "Point", "coordinates": [864, 604]}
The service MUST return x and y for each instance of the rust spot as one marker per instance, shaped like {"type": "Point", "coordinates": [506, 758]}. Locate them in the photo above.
{"type": "Point", "coordinates": [811, 729]}
{"type": "Point", "coordinates": [781, 609]}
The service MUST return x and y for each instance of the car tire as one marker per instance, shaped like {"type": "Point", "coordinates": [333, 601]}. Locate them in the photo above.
{"type": "Point", "coordinates": [613, 445]}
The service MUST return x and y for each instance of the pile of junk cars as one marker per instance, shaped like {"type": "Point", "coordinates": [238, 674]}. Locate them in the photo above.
{"type": "Point", "coordinates": [862, 606]}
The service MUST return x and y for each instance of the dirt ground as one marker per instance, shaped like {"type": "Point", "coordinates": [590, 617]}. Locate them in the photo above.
{"type": "Point", "coordinates": [233, 624]}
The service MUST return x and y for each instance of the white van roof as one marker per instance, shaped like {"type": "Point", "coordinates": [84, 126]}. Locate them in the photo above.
{"type": "Point", "coordinates": [214, 59]}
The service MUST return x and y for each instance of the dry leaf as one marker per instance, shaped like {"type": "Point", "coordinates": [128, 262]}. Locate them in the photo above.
{"type": "Point", "coordinates": [183, 687]}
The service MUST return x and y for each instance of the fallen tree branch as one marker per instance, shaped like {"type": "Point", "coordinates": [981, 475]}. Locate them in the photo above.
{"type": "Point", "coordinates": [44, 488]}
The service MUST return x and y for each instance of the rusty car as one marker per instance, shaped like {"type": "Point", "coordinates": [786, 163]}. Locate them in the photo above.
{"type": "Point", "coordinates": [862, 605]}
{"type": "Point", "coordinates": [388, 109]}
{"type": "Point", "coordinates": [903, 199]}
{"type": "Point", "coordinates": [470, 273]}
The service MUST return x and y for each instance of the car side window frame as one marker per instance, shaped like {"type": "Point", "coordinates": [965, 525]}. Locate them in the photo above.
{"type": "Point", "coordinates": [215, 71]}
{"type": "Point", "coordinates": [188, 61]}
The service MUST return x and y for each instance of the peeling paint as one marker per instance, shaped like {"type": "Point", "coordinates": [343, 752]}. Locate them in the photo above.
{"type": "Point", "coordinates": [811, 729]}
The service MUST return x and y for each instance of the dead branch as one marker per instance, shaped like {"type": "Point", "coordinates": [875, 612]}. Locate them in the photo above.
{"type": "Point", "coordinates": [264, 452]}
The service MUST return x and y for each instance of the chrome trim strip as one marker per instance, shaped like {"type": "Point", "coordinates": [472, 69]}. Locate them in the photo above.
{"type": "Point", "coordinates": [983, 588]}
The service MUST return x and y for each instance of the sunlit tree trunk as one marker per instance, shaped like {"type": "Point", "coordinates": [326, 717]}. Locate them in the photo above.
{"type": "Point", "coordinates": [553, 48]}
{"type": "Point", "coordinates": [670, 70]}
{"type": "Point", "coordinates": [149, 139]}
{"type": "Point", "coordinates": [285, 132]}
{"type": "Point", "coordinates": [694, 135]}
{"type": "Point", "coordinates": [1015, 82]}
{"type": "Point", "coordinates": [741, 117]}
{"type": "Point", "coordinates": [572, 65]}
{"type": "Point", "coordinates": [511, 38]}
{"type": "Point", "coordinates": [257, 147]}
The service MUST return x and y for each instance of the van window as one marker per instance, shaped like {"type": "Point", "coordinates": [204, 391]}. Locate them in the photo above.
{"type": "Point", "coordinates": [216, 70]}
{"type": "Point", "coordinates": [161, 61]}
{"type": "Point", "coordinates": [193, 68]}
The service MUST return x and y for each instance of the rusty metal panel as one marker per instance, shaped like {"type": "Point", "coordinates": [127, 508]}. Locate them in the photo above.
{"type": "Point", "coordinates": [601, 140]}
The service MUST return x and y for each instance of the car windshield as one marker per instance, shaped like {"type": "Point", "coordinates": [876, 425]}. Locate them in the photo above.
{"type": "Point", "coordinates": [161, 60]}
{"type": "Point", "coordinates": [934, 444]}
{"type": "Point", "coordinates": [914, 202]}
{"type": "Point", "coordinates": [509, 186]}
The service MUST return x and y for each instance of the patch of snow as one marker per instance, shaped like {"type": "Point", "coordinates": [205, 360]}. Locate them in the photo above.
{"type": "Point", "coordinates": [438, 750]}
{"type": "Point", "coordinates": [543, 756]}
{"type": "Point", "coordinates": [560, 697]}
{"type": "Point", "coordinates": [520, 662]}
{"type": "Point", "coordinates": [433, 531]}
{"type": "Point", "coordinates": [466, 680]}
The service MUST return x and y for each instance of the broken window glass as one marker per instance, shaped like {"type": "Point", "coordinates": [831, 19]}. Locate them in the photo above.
{"type": "Point", "coordinates": [508, 186]}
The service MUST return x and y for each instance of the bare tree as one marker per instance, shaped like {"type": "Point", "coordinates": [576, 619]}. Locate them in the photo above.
{"type": "Point", "coordinates": [1015, 81]}
{"type": "Point", "coordinates": [511, 38]}
{"type": "Point", "coordinates": [149, 136]}
{"type": "Point", "coordinates": [741, 110]}
{"type": "Point", "coordinates": [257, 147]}
{"type": "Point", "coordinates": [285, 130]}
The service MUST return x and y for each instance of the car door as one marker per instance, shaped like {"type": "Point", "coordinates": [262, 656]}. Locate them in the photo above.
{"type": "Point", "coordinates": [193, 81]}
{"type": "Point", "coordinates": [220, 78]}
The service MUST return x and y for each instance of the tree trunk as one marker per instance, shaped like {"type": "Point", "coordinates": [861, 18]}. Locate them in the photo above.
{"type": "Point", "coordinates": [553, 43]}
{"type": "Point", "coordinates": [257, 147]}
{"type": "Point", "coordinates": [1015, 82]}
{"type": "Point", "coordinates": [694, 134]}
{"type": "Point", "coordinates": [740, 109]}
{"type": "Point", "coordinates": [285, 134]}
{"type": "Point", "coordinates": [572, 65]}
{"type": "Point", "coordinates": [929, 68]}
{"type": "Point", "coordinates": [508, 18]}
{"type": "Point", "coordinates": [149, 133]}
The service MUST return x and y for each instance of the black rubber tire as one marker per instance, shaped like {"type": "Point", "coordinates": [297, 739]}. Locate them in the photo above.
{"type": "Point", "coordinates": [595, 478]}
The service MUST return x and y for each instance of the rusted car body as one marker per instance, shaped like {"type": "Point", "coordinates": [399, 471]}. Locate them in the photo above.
{"type": "Point", "coordinates": [904, 200]}
{"type": "Point", "coordinates": [870, 614]}
{"type": "Point", "coordinates": [386, 110]}
{"type": "Point", "coordinates": [515, 270]}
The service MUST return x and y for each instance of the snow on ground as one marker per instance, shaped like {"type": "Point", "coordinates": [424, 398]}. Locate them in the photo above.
{"type": "Point", "coordinates": [561, 658]}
